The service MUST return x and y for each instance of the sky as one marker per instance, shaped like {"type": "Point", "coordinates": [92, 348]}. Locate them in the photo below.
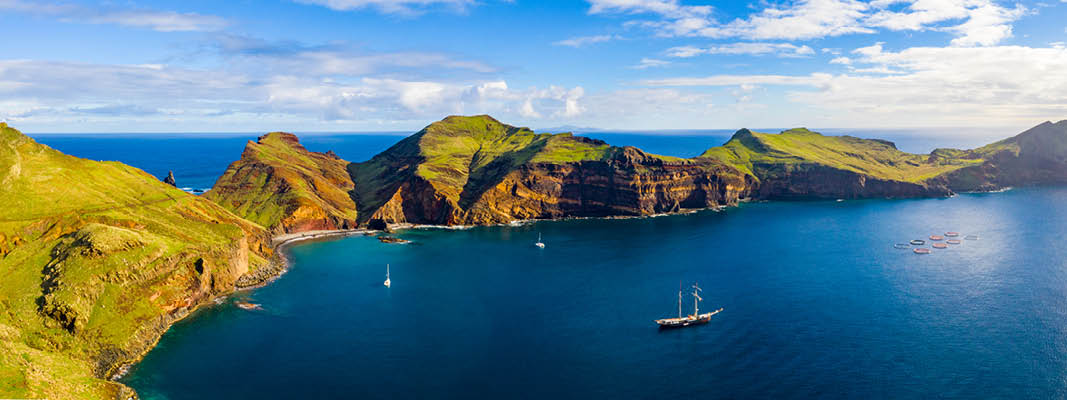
{"type": "Point", "coordinates": [381, 65]}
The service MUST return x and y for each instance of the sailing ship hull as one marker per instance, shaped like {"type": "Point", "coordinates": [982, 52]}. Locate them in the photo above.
{"type": "Point", "coordinates": [672, 323]}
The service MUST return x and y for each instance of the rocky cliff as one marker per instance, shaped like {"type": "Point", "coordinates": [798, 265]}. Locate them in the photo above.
{"type": "Point", "coordinates": [282, 186]}
{"type": "Point", "coordinates": [97, 259]}
{"type": "Point", "coordinates": [1036, 156]}
{"type": "Point", "coordinates": [476, 170]}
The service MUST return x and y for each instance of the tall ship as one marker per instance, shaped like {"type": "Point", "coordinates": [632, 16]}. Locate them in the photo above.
{"type": "Point", "coordinates": [696, 318]}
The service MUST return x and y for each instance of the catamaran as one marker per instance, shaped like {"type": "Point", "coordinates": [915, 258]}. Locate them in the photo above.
{"type": "Point", "coordinates": [387, 283]}
{"type": "Point", "coordinates": [694, 319]}
{"type": "Point", "coordinates": [539, 242]}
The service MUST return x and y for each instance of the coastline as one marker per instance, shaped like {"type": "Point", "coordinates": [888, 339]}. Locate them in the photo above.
{"type": "Point", "coordinates": [281, 263]}
{"type": "Point", "coordinates": [278, 266]}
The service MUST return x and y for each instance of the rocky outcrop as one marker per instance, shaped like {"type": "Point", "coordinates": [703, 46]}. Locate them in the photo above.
{"type": "Point", "coordinates": [1034, 157]}
{"type": "Point", "coordinates": [814, 181]}
{"type": "Point", "coordinates": [95, 270]}
{"type": "Point", "coordinates": [631, 183]}
{"type": "Point", "coordinates": [170, 179]}
{"type": "Point", "coordinates": [282, 186]}
{"type": "Point", "coordinates": [475, 171]}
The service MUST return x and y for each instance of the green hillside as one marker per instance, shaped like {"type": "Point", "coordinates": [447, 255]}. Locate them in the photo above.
{"type": "Point", "coordinates": [460, 153]}
{"type": "Point", "coordinates": [97, 258]}
{"type": "Point", "coordinates": [282, 186]}
{"type": "Point", "coordinates": [754, 152]}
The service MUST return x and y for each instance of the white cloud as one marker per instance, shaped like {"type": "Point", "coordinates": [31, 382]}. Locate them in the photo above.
{"type": "Point", "coordinates": [58, 93]}
{"type": "Point", "coordinates": [974, 22]}
{"type": "Point", "coordinates": [667, 8]}
{"type": "Point", "coordinates": [937, 86]}
{"type": "Point", "coordinates": [163, 21]}
{"type": "Point", "coordinates": [651, 63]}
{"type": "Point", "coordinates": [390, 6]}
{"type": "Point", "coordinates": [749, 48]}
{"type": "Point", "coordinates": [585, 40]}
{"type": "Point", "coordinates": [988, 25]}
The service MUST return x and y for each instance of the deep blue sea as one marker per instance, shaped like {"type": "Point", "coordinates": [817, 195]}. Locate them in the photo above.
{"type": "Point", "coordinates": [198, 159]}
{"type": "Point", "coordinates": [817, 301]}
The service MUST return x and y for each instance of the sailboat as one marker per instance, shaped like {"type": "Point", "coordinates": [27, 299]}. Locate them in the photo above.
{"type": "Point", "coordinates": [693, 319]}
{"type": "Point", "coordinates": [539, 242]}
{"type": "Point", "coordinates": [387, 283]}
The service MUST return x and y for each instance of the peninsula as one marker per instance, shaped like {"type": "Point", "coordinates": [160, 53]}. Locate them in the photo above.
{"type": "Point", "coordinates": [99, 258]}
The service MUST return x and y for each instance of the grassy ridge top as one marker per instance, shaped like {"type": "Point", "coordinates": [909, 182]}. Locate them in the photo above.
{"type": "Point", "coordinates": [457, 147]}
{"type": "Point", "coordinates": [748, 151]}
{"type": "Point", "coordinates": [93, 256]}
{"type": "Point", "coordinates": [277, 183]}
{"type": "Point", "coordinates": [461, 153]}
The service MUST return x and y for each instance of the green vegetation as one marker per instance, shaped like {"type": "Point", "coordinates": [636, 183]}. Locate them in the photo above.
{"type": "Point", "coordinates": [280, 185]}
{"type": "Point", "coordinates": [95, 259]}
{"type": "Point", "coordinates": [751, 152]}
{"type": "Point", "coordinates": [459, 155]}
{"type": "Point", "coordinates": [460, 148]}
{"type": "Point", "coordinates": [98, 258]}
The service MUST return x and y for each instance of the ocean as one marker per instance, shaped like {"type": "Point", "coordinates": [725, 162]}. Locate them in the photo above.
{"type": "Point", "coordinates": [817, 301]}
{"type": "Point", "coordinates": [198, 159]}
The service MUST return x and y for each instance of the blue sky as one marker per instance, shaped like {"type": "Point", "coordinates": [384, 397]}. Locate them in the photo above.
{"type": "Point", "coordinates": [377, 65]}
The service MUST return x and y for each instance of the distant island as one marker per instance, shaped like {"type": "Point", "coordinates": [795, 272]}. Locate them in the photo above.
{"type": "Point", "coordinates": [99, 258]}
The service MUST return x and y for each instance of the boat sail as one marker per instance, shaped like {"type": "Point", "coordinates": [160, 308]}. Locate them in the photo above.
{"type": "Point", "coordinates": [387, 282]}
{"type": "Point", "coordinates": [694, 319]}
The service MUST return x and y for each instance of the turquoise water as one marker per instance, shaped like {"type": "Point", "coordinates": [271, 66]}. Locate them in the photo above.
{"type": "Point", "coordinates": [817, 303]}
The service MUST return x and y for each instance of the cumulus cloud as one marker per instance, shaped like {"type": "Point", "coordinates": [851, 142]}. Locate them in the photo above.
{"type": "Point", "coordinates": [925, 85]}
{"type": "Point", "coordinates": [973, 22]}
{"type": "Point", "coordinates": [65, 92]}
{"type": "Point", "coordinates": [163, 21]}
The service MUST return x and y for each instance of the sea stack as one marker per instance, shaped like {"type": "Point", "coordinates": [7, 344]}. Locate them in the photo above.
{"type": "Point", "coordinates": [170, 179]}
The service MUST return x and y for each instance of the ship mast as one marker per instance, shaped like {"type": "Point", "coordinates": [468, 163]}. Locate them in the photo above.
{"type": "Point", "coordinates": [696, 300]}
{"type": "Point", "coordinates": [679, 299]}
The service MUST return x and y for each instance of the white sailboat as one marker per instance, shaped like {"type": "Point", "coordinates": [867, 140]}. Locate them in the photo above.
{"type": "Point", "coordinates": [387, 283]}
{"type": "Point", "coordinates": [539, 242]}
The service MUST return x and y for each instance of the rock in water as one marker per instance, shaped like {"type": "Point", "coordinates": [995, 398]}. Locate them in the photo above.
{"type": "Point", "coordinates": [170, 179]}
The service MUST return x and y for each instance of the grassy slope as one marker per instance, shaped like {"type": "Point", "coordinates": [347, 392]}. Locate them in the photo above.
{"type": "Point", "coordinates": [748, 150]}
{"type": "Point", "coordinates": [460, 153]}
{"type": "Point", "coordinates": [276, 176]}
{"type": "Point", "coordinates": [458, 148]}
{"type": "Point", "coordinates": [92, 254]}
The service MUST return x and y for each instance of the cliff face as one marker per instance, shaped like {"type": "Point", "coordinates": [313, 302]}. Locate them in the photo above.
{"type": "Point", "coordinates": [97, 259]}
{"type": "Point", "coordinates": [799, 163]}
{"type": "Point", "coordinates": [1036, 156]}
{"type": "Point", "coordinates": [815, 181]}
{"type": "Point", "coordinates": [475, 170]}
{"type": "Point", "coordinates": [282, 186]}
